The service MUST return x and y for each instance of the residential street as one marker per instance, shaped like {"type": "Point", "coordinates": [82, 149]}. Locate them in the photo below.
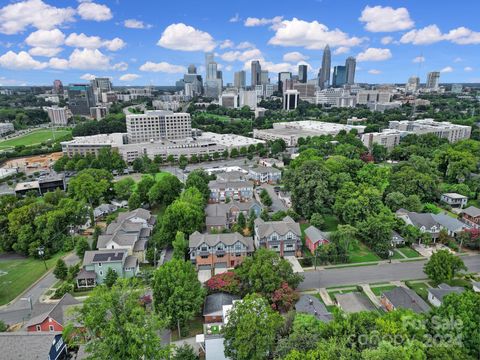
{"type": "Point", "coordinates": [376, 273]}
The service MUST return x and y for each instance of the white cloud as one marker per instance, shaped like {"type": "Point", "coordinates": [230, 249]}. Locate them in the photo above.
{"type": "Point", "coordinates": [87, 59]}
{"type": "Point", "coordinates": [311, 35]}
{"type": "Point", "coordinates": [162, 67]}
{"type": "Point", "coordinates": [467, 68]}
{"type": "Point", "coordinates": [251, 21]}
{"type": "Point", "coordinates": [294, 56]}
{"type": "Point", "coordinates": [374, 54]}
{"type": "Point", "coordinates": [226, 44]}
{"type": "Point", "coordinates": [245, 45]}
{"type": "Point", "coordinates": [88, 77]}
{"type": "Point", "coordinates": [94, 11]}
{"type": "Point", "coordinates": [428, 35]}
{"type": "Point", "coordinates": [114, 44]}
{"type": "Point", "coordinates": [341, 50]}
{"type": "Point", "coordinates": [457, 59]}
{"type": "Point", "coordinates": [43, 51]}
{"type": "Point", "coordinates": [419, 59]}
{"type": "Point", "coordinates": [235, 18]}
{"type": "Point", "coordinates": [20, 61]}
{"type": "Point", "coordinates": [186, 38]}
{"type": "Point", "coordinates": [45, 38]}
{"type": "Point", "coordinates": [374, 72]}
{"type": "Point", "coordinates": [93, 42]}
{"type": "Point", "coordinates": [15, 18]}
{"type": "Point", "coordinates": [57, 63]}
{"type": "Point", "coordinates": [136, 24]}
{"type": "Point", "coordinates": [463, 36]}
{"type": "Point", "coordinates": [386, 40]}
{"type": "Point", "coordinates": [121, 66]}
{"type": "Point", "coordinates": [386, 19]}
{"type": "Point", "coordinates": [447, 69]}
{"type": "Point", "coordinates": [250, 54]}
{"type": "Point", "coordinates": [129, 77]}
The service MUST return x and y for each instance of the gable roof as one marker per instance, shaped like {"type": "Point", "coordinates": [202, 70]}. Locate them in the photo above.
{"type": "Point", "coordinates": [403, 298]}
{"type": "Point", "coordinates": [448, 222]}
{"type": "Point", "coordinates": [211, 240]}
{"type": "Point", "coordinates": [222, 209]}
{"type": "Point", "coordinates": [266, 228]}
{"type": "Point", "coordinates": [315, 235]}
{"type": "Point", "coordinates": [417, 219]}
{"type": "Point", "coordinates": [108, 256]}
{"type": "Point", "coordinates": [27, 345]}
{"type": "Point", "coordinates": [309, 304]}
{"type": "Point", "coordinates": [265, 170]}
{"type": "Point", "coordinates": [214, 303]}
{"type": "Point", "coordinates": [443, 290]}
{"type": "Point", "coordinates": [57, 312]}
{"type": "Point", "coordinates": [471, 211]}
{"type": "Point", "coordinates": [217, 184]}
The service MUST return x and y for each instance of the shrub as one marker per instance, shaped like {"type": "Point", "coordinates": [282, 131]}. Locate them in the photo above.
{"type": "Point", "coordinates": [226, 282]}
{"type": "Point", "coordinates": [66, 287]}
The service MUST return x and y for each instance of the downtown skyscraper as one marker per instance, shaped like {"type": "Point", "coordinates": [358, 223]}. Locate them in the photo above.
{"type": "Point", "coordinates": [324, 73]}
{"type": "Point", "coordinates": [350, 65]}
{"type": "Point", "coordinates": [256, 70]}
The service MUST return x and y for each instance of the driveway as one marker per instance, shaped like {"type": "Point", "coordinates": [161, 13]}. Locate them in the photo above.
{"type": "Point", "coordinates": [277, 204]}
{"type": "Point", "coordinates": [295, 264]}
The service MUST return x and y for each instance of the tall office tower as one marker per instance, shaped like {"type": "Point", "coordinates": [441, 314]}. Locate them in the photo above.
{"type": "Point", "coordinates": [350, 65]}
{"type": "Point", "coordinates": [212, 70]}
{"type": "Point", "coordinates": [239, 79]}
{"type": "Point", "coordinates": [339, 76]}
{"type": "Point", "coordinates": [324, 78]}
{"type": "Point", "coordinates": [264, 80]}
{"type": "Point", "coordinates": [58, 87]}
{"type": "Point", "coordinates": [80, 99]}
{"type": "Point", "coordinates": [209, 58]}
{"type": "Point", "coordinates": [282, 76]}
{"type": "Point", "coordinates": [156, 125]}
{"type": "Point", "coordinates": [192, 69]}
{"type": "Point", "coordinates": [433, 80]}
{"type": "Point", "coordinates": [413, 84]}
{"type": "Point", "coordinates": [302, 73]}
{"type": "Point", "coordinates": [192, 83]}
{"type": "Point", "coordinates": [219, 74]}
{"type": "Point", "coordinates": [256, 73]}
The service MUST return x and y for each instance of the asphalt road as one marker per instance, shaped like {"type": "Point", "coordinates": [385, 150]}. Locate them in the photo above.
{"type": "Point", "coordinates": [376, 273]}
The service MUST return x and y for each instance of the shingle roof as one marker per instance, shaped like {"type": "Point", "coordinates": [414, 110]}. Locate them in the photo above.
{"type": "Point", "coordinates": [472, 211]}
{"type": "Point", "coordinates": [448, 222]}
{"type": "Point", "coordinates": [455, 195]}
{"type": "Point", "coordinates": [215, 221]}
{"type": "Point", "coordinates": [56, 312]}
{"type": "Point", "coordinates": [90, 254]}
{"type": "Point", "coordinates": [421, 219]}
{"type": "Point", "coordinates": [265, 170]}
{"type": "Point", "coordinates": [315, 235]}
{"type": "Point", "coordinates": [216, 184]}
{"type": "Point", "coordinates": [211, 240]}
{"type": "Point", "coordinates": [26, 345]}
{"type": "Point", "coordinates": [222, 209]}
{"type": "Point", "coordinates": [312, 305]}
{"type": "Point", "coordinates": [403, 298]}
{"type": "Point", "coordinates": [131, 261]}
{"type": "Point", "coordinates": [214, 303]}
{"type": "Point", "coordinates": [443, 290]}
{"type": "Point", "coordinates": [266, 228]}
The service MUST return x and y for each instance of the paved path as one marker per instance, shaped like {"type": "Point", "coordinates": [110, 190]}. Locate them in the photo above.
{"type": "Point", "coordinates": [369, 293]}
{"type": "Point", "coordinates": [277, 204]}
{"type": "Point", "coordinates": [383, 272]}
{"type": "Point", "coordinates": [295, 264]}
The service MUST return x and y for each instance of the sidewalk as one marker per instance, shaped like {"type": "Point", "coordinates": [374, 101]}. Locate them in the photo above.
{"type": "Point", "coordinates": [369, 293]}
{"type": "Point", "coordinates": [380, 262]}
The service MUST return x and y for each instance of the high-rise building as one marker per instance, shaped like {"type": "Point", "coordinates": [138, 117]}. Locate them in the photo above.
{"type": "Point", "coordinates": [58, 115]}
{"type": "Point", "coordinates": [213, 82]}
{"type": "Point", "coordinates": [80, 99]}
{"type": "Point", "coordinates": [57, 87]}
{"type": "Point", "coordinates": [219, 74]}
{"type": "Point", "coordinates": [282, 76]}
{"type": "Point", "coordinates": [302, 73]}
{"type": "Point", "coordinates": [433, 80]}
{"type": "Point", "coordinates": [339, 76]}
{"type": "Point", "coordinates": [192, 69]}
{"type": "Point", "coordinates": [324, 78]}
{"type": "Point", "coordinates": [290, 99]}
{"type": "Point", "coordinates": [350, 65]}
{"type": "Point", "coordinates": [248, 98]}
{"type": "Point", "coordinates": [100, 86]}
{"type": "Point", "coordinates": [413, 84]}
{"type": "Point", "coordinates": [209, 58]}
{"type": "Point", "coordinates": [239, 79]}
{"type": "Point", "coordinates": [264, 80]}
{"type": "Point", "coordinates": [256, 70]}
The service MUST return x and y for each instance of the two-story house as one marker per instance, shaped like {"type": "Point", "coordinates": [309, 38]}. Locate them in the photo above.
{"type": "Point", "coordinates": [130, 231]}
{"type": "Point", "coordinates": [471, 217]}
{"type": "Point", "coordinates": [225, 191]}
{"type": "Point", "coordinates": [222, 216]}
{"type": "Point", "coordinates": [263, 174]}
{"type": "Point", "coordinates": [425, 222]}
{"type": "Point", "coordinates": [454, 199]}
{"type": "Point", "coordinates": [281, 236]}
{"type": "Point", "coordinates": [56, 317]}
{"type": "Point", "coordinates": [97, 262]}
{"type": "Point", "coordinates": [219, 251]}
{"type": "Point", "coordinates": [315, 238]}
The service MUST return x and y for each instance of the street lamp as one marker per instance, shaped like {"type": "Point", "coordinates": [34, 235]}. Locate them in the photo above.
{"type": "Point", "coordinates": [41, 253]}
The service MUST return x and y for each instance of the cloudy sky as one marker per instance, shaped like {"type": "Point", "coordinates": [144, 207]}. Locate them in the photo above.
{"type": "Point", "coordinates": [152, 42]}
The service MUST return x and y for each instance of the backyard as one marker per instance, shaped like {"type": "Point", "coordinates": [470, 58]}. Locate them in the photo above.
{"type": "Point", "coordinates": [359, 253]}
{"type": "Point", "coordinates": [34, 138]}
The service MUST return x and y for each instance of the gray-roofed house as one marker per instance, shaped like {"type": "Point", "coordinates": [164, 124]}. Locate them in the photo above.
{"type": "Point", "coordinates": [97, 262]}
{"type": "Point", "coordinates": [264, 174]}
{"type": "Point", "coordinates": [397, 239]}
{"type": "Point", "coordinates": [219, 251]}
{"type": "Point", "coordinates": [213, 306]}
{"type": "Point", "coordinates": [21, 345]}
{"type": "Point", "coordinates": [220, 191]}
{"type": "Point", "coordinates": [103, 210]}
{"type": "Point", "coordinates": [352, 302]}
{"type": "Point", "coordinates": [55, 318]}
{"type": "Point", "coordinates": [130, 231]}
{"type": "Point", "coordinates": [454, 199]}
{"type": "Point", "coordinates": [280, 236]}
{"type": "Point", "coordinates": [471, 216]}
{"type": "Point", "coordinates": [436, 295]}
{"type": "Point", "coordinates": [403, 298]}
{"type": "Point", "coordinates": [423, 221]}
{"type": "Point", "coordinates": [450, 224]}
{"type": "Point", "coordinates": [221, 216]}
{"type": "Point", "coordinates": [314, 238]}
{"type": "Point", "coordinates": [308, 304]}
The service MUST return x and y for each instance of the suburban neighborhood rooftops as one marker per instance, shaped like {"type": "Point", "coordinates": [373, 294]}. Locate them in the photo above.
{"type": "Point", "coordinates": [471, 211]}
{"type": "Point", "coordinates": [265, 228]}
{"type": "Point", "coordinates": [57, 312]}
{"type": "Point", "coordinates": [211, 240]}
{"type": "Point", "coordinates": [314, 234]}
{"type": "Point", "coordinates": [217, 184]}
{"type": "Point", "coordinates": [418, 219]}
{"type": "Point", "coordinates": [448, 222]}
{"type": "Point", "coordinates": [309, 304]}
{"type": "Point", "coordinates": [214, 303]}
{"type": "Point", "coordinates": [104, 256]}
{"type": "Point", "coordinates": [265, 170]}
{"type": "Point", "coordinates": [222, 209]}
{"type": "Point", "coordinates": [403, 298]}
{"type": "Point", "coordinates": [444, 289]}
{"type": "Point", "coordinates": [26, 345]}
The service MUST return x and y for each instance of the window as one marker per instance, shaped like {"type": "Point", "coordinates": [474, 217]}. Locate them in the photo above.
{"type": "Point", "coordinates": [50, 328]}
{"type": "Point", "coordinates": [101, 273]}
{"type": "Point", "coordinates": [38, 328]}
{"type": "Point", "coordinates": [99, 264]}
{"type": "Point", "coordinates": [220, 256]}
{"type": "Point", "coordinates": [204, 256]}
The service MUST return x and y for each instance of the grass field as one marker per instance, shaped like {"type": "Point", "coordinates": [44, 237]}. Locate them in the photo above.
{"type": "Point", "coordinates": [421, 288]}
{"type": "Point", "coordinates": [214, 116]}
{"type": "Point", "coordinates": [409, 252]}
{"type": "Point", "coordinates": [380, 289]}
{"type": "Point", "coordinates": [361, 253]}
{"type": "Point", "coordinates": [195, 327]}
{"type": "Point", "coordinates": [17, 275]}
{"type": "Point", "coordinates": [34, 138]}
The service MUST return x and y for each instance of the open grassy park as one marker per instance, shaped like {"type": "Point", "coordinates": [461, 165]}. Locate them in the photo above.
{"type": "Point", "coordinates": [16, 275]}
{"type": "Point", "coordinates": [35, 137]}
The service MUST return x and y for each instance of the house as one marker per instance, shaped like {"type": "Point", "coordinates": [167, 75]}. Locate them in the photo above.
{"type": "Point", "coordinates": [436, 295]}
{"type": "Point", "coordinates": [314, 238]}
{"type": "Point", "coordinates": [221, 216]}
{"type": "Point", "coordinates": [219, 251]}
{"type": "Point", "coordinates": [224, 191]}
{"type": "Point", "coordinates": [54, 319]}
{"type": "Point", "coordinates": [213, 307]}
{"type": "Point", "coordinates": [471, 216]}
{"type": "Point", "coordinates": [130, 231]}
{"type": "Point", "coordinates": [454, 199]}
{"type": "Point", "coordinates": [423, 221]}
{"type": "Point", "coordinates": [23, 188]}
{"type": "Point", "coordinates": [51, 182]}
{"type": "Point", "coordinates": [450, 224]}
{"type": "Point", "coordinates": [280, 236]}
{"type": "Point", "coordinates": [397, 239]}
{"type": "Point", "coordinates": [32, 346]}
{"type": "Point", "coordinates": [97, 262]}
{"type": "Point", "coordinates": [403, 298]}
{"type": "Point", "coordinates": [285, 198]}
{"type": "Point", "coordinates": [308, 304]}
{"type": "Point", "coordinates": [103, 210]}
{"type": "Point", "coordinates": [263, 174]}
{"type": "Point", "coordinates": [271, 162]}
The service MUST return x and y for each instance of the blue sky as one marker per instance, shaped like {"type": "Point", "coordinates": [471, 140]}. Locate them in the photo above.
{"type": "Point", "coordinates": [152, 42]}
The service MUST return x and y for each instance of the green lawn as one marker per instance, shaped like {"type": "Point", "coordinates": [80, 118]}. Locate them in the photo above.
{"type": "Point", "coordinates": [380, 289]}
{"type": "Point", "coordinates": [34, 138]}
{"type": "Point", "coordinates": [409, 252]}
{"type": "Point", "coordinates": [331, 223]}
{"type": "Point", "coordinates": [18, 275]}
{"type": "Point", "coordinates": [195, 327]}
{"type": "Point", "coordinates": [397, 255]}
{"type": "Point", "coordinates": [421, 288]}
{"type": "Point", "coordinates": [223, 118]}
{"type": "Point", "coordinates": [361, 253]}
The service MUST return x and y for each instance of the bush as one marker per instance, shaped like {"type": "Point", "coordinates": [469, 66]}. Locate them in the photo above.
{"type": "Point", "coordinates": [226, 282]}
{"type": "Point", "coordinates": [66, 287]}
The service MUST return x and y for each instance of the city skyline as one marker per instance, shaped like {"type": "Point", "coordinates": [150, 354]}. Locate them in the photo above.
{"type": "Point", "coordinates": [76, 40]}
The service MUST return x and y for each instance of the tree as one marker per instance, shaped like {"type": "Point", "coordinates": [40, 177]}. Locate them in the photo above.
{"type": "Point", "coordinates": [118, 326]}
{"type": "Point", "coordinates": [241, 222]}
{"type": "Point", "coordinates": [317, 220]}
{"type": "Point", "coordinates": [284, 298]}
{"type": "Point", "coordinates": [251, 329]}
{"type": "Point", "coordinates": [81, 246]}
{"type": "Point", "coordinates": [184, 352]}
{"type": "Point", "coordinates": [61, 270]}
{"type": "Point", "coordinates": [178, 293]}
{"type": "Point", "coordinates": [180, 246]}
{"type": "Point", "coordinates": [111, 277]}
{"type": "Point", "coordinates": [134, 201]}
{"type": "Point", "coordinates": [443, 266]}
{"type": "Point", "coordinates": [199, 179]}
{"type": "Point", "coordinates": [376, 232]}
{"type": "Point", "coordinates": [3, 326]}
{"type": "Point", "coordinates": [165, 190]}
{"type": "Point", "coordinates": [143, 188]}
{"type": "Point", "coordinates": [182, 162]}
{"type": "Point", "coordinates": [225, 282]}
{"type": "Point", "coordinates": [265, 197]}
{"type": "Point", "coordinates": [123, 188]}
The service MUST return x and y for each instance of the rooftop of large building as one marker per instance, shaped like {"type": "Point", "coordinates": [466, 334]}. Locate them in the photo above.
{"type": "Point", "coordinates": [229, 139]}
{"type": "Point", "coordinates": [114, 139]}
{"type": "Point", "coordinates": [317, 126]}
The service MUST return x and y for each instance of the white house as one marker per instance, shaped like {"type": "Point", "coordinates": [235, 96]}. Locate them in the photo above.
{"type": "Point", "coordinates": [454, 200]}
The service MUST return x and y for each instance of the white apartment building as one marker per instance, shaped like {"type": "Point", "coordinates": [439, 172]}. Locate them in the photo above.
{"type": "Point", "coordinates": [157, 125]}
{"type": "Point", "coordinates": [58, 115]}
{"type": "Point", "coordinates": [98, 112]}
{"type": "Point", "coordinates": [248, 98]}
{"type": "Point", "coordinates": [368, 96]}
{"type": "Point", "coordinates": [388, 138]}
{"type": "Point", "coordinates": [6, 128]}
{"type": "Point", "coordinates": [446, 130]}
{"type": "Point", "coordinates": [172, 105]}
{"type": "Point", "coordinates": [228, 100]}
{"type": "Point", "coordinates": [335, 97]}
